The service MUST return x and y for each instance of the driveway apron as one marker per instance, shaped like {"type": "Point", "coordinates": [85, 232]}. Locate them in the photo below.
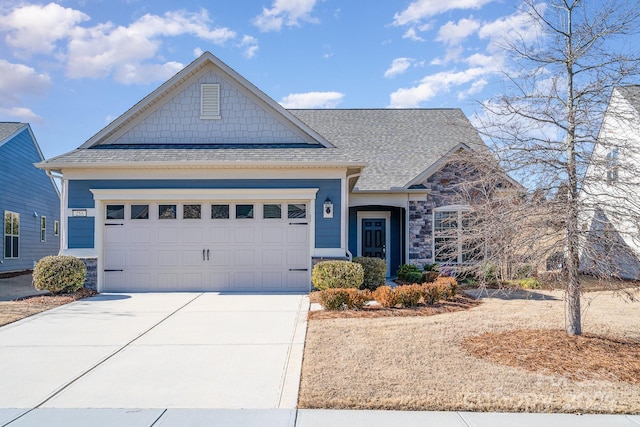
{"type": "Point", "coordinates": [172, 350]}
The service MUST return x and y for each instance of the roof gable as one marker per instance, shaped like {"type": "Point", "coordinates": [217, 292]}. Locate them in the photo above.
{"type": "Point", "coordinates": [171, 115]}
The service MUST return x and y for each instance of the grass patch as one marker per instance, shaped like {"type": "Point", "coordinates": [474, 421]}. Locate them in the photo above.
{"type": "Point", "coordinates": [430, 362]}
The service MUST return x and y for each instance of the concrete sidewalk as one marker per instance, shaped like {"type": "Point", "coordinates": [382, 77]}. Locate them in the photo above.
{"type": "Point", "coordinates": [16, 287]}
{"type": "Point", "coordinates": [299, 418]}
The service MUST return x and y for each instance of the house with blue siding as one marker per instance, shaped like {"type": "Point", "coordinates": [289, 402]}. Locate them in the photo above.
{"type": "Point", "coordinates": [29, 201]}
{"type": "Point", "coordinates": [209, 184]}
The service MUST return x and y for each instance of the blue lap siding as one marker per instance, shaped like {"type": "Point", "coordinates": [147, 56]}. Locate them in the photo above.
{"type": "Point", "coordinates": [29, 192]}
{"type": "Point", "coordinates": [327, 233]}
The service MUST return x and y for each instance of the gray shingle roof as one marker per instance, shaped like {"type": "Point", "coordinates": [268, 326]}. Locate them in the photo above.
{"type": "Point", "coordinates": [396, 145]}
{"type": "Point", "coordinates": [9, 128]}
{"type": "Point", "coordinates": [631, 94]}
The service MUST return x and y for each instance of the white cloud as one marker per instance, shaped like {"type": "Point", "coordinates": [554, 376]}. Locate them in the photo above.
{"type": "Point", "coordinates": [285, 12]}
{"type": "Point", "coordinates": [452, 33]}
{"type": "Point", "coordinates": [421, 9]}
{"type": "Point", "coordinates": [411, 34]}
{"type": "Point", "coordinates": [37, 28]}
{"type": "Point", "coordinates": [312, 100]}
{"type": "Point", "coordinates": [520, 25]}
{"type": "Point", "coordinates": [18, 80]}
{"type": "Point", "coordinates": [250, 45]}
{"type": "Point", "coordinates": [398, 66]}
{"type": "Point", "coordinates": [197, 52]}
{"type": "Point", "coordinates": [433, 85]}
{"type": "Point", "coordinates": [105, 49]}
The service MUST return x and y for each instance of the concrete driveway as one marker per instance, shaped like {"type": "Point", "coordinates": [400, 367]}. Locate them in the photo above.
{"type": "Point", "coordinates": [171, 350]}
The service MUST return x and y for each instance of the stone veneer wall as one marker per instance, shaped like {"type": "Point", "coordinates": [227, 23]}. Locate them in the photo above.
{"type": "Point", "coordinates": [91, 281]}
{"type": "Point", "coordinates": [421, 213]}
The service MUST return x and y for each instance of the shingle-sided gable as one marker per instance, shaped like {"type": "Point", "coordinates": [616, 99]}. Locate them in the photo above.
{"type": "Point", "coordinates": [397, 145]}
{"type": "Point", "coordinates": [206, 103]}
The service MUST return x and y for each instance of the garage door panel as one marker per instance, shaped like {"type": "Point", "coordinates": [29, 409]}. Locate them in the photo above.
{"type": "Point", "coordinates": [243, 254]}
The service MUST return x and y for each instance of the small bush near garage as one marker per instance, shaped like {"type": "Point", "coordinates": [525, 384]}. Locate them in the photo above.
{"type": "Point", "coordinates": [408, 295]}
{"type": "Point", "coordinates": [337, 274]}
{"type": "Point", "coordinates": [343, 299]}
{"type": "Point", "coordinates": [375, 272]}
{"type": "Point", "coordinates": [385, 296]}
{"type": "Point", "coordinates": [59, 274]}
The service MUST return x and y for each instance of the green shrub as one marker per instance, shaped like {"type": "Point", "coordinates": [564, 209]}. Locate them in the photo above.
{"type": "Point", "coordinates": [429, 276]}
{"type": "Point", "coordinates": [448, 287]}
{"type": "Point", "coordinates": [59, 274]}
{"type": "Point", "coordinates": [375, 272]}
{"type": "Point", "coordinates": [408, 295]}
{"type": "Point", "coordinates": [343, 299]}
{"type": "Point", "coordinates": [527, 283]}
{"type": "Point", "coordinates": [413, 277]}
{"type": "Point", "coordinates": [385, 296]}
{"type": "Point", "coordinates": [406, 268]}
{"type": "Point", "coordinates": [431, 267]}
{"type": "Point", "coordinates": [431, 293]}
{"type": "Point", "coordinates": [337, 274]}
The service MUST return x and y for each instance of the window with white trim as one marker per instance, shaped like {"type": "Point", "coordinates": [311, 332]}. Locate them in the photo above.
{"type": "Point", "coordinates": [56, 228]}
{"type": "Point", "coordinates": [612, 166]}
{"type": "Point", "coordinates": [43, 229]}
{"type": "Point", "coordinates": [11, 234]}
{"type": "Point", "coordinates": [449, 226]}
{"type": "Point", "coordinates": [210, 101]}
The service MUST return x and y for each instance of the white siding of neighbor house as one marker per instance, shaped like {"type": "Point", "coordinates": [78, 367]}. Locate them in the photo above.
{"type": "Point", "coordinates": [242, 120]}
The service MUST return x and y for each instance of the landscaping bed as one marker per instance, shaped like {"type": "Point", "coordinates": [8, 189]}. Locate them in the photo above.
{"type": "Point", "coordinates": [502, 355]}
{"type": "Point", "coordinates": [12, 311]}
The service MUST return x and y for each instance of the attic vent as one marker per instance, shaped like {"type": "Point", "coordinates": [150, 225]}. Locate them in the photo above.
{"type": "Point", "coordinates": [210, 101]}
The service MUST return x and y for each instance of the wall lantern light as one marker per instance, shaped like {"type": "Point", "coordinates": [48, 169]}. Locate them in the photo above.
{"type": "Point", "coordinates": [327, 208]}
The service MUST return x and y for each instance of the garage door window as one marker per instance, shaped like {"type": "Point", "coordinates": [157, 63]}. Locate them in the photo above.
{"type": "Point", "coordinates": [139, 211]}
{"type": "Point", "coordinates": [115, 211]}
{"type": "Point", "coordinates": [297, 210]}
{"type": "Point", "coordinates": [244, 211]}
{"type": "Point", "coordinates": [219, 211]}
{"type": "Point", "coordinates": [167, 211]}
{"type": "Point", "coordinates": [191, 211]}
{"type": "Point", "coordinates": [272, 211]}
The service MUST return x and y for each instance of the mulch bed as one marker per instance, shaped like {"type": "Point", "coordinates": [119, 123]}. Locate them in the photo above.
{"type": "Point", "coordinates": [376, 311]}
{"type": "Point", "coordinates": [60, 298]}
{"type": "Point", "coordinates": [548, 351]}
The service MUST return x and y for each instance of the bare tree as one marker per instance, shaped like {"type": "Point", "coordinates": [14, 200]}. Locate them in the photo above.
{"type": "Point", "coordinates": [544, 130]}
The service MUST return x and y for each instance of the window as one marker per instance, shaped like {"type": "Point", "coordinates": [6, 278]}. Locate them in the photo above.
{"type": "Point", "coordinates": [115, 211]}
{"type": "Point", "coordinates": [210, 101]}
{"type": "Point", "coordinates": [139, 211]}
{"type": "Point", "coordinates": [612, 166]}
{"type": "Point", "coordinates": [449, 227]}
{"type": "Point", "coordinates": [272, 211]}
{"type": "Point", "coordinates": [244, 211]}
{"type": "Point", "coordinates": [43, 228]}
{"type": "Point", "coordinates": [297, 210]}
{"type": "Point", "coordinates": [191, 212]}
{"type": "Point", "coordinates": [56, 228]}
{"type": "Point", "coordinates": [167, 212]}
{"type": "Point", "coordinates": [11, 234]}
{"type": "Point", "coordinates": [219, 211]}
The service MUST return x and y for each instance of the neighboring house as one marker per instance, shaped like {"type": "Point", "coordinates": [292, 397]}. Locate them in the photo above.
{"type": "Point", "coordinates": [612, 191]}
{"type": "Point", "coordinates": [29, 201]}
{"type": "Point", "coordinates": [209, 184]}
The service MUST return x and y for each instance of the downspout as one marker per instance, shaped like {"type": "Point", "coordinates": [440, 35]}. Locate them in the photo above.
{"type": "Point", "coordinates": [62, 224]}
{"type": "Point", "coordinates": [345, 216]}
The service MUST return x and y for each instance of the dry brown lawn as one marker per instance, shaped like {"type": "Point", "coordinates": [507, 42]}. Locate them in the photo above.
{"type": "Point", "coordinates": [12, 311]}
{"type": "Point", "coordinates": [507, 354]}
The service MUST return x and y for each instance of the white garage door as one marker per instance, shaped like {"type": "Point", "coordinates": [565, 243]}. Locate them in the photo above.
{"type": "Point", "coordinates": [196, 246]}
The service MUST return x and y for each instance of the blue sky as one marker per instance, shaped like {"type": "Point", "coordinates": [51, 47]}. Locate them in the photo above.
{"type": "Point", "coordinates": [70, 67]}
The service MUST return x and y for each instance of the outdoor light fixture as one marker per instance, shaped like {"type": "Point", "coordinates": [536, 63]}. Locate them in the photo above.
{"type": "Point", "coordinates": [35, 214]}
{"type": "Point", "coordinates": [328, 208]}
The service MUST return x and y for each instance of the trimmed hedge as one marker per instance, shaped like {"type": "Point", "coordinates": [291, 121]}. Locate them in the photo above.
{"type": "Point", "coordinates": [413, 277]}
{"type": "Point", "coordinates": [343, 299]}
{"type": "Point", "coordinates": [408, 295]}
{"type": "Point", "coordinates": [375, 272]}
{"type": "Point", "coordinates": [385, 296]}
{"type": "Point", "coordinates": [337, 274]}
{"type": "Point", "coordinates": [59, 274]}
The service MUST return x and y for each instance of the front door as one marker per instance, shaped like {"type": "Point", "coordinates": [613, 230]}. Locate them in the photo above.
{"type": "Point", "coordinates": [374, 237]}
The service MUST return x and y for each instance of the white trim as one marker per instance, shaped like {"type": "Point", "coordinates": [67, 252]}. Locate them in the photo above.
{"type": "Point", "coordinates": [449, 208]}
{"type": "Point", "coordinates": [205, 194]}
{"type": "Point", "coordinates": [344, 217]}
{"type": "Point", "coordinates": [90, 211]}
{"type": "Point", "coordinates": [81, 253]}
{"type": "Point", "coordinates": [329, 253]}
{"type": "Point", "coordinates": [386, 215]}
